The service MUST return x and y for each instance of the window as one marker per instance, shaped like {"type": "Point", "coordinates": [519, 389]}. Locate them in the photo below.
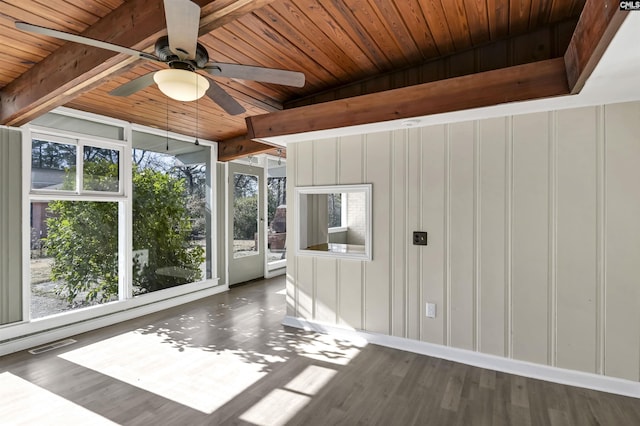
{"type": "Point", "coordinates": [171, 215]}
{"type": "Point", "coordinates": [334, 221]}
{"type": "Point", "coordinates": [334, 210]}
{"type": "Point", "coordinates": [87, 213]}
{"type": "Point", "coordinates": [276, 213]}
{"type": "Point", "coordinates": [74, 239]}
{"type": "Point", "coordinates": [245, 215]}
{"type": "Point", "coordinates": [60, 164]}
{"type": "Point", "coordinates": [53, 165]}
{"type": "Point", "coordinates": [101, 169]}
{"type": "Point", "coordinates": [74, 255]}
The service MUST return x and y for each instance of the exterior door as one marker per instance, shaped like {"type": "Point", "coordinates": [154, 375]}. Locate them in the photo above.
{"type": "Point", "coordinates": [246, 223]}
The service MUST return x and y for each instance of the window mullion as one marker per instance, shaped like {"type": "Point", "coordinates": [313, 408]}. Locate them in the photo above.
{"type": "Point", "coordinates": [125, 221]}
{"type": "Point", "coordinates": [79, 167]}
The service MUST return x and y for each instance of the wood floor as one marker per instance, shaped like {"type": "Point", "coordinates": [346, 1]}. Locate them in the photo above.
{"type": "Point", "coordinates": [227, 360]}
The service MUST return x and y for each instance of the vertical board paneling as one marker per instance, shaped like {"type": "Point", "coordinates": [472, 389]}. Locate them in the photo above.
{"type": "Point", "coordinates": [325, 300]}
{"type": "Point", "coordinates": [350, 294]}
{"type": "Point", "coordinates": [325, 163]}
{"type": "Point", "coordinates": [350, 272]}
{"type": "Point", "coordinates": [622, 338]}
{"type": "Point", "coordinates": [412, 265]}
{"type": "Point", "coordinates": [398, 232]}
{"type": "Point", "coordinates": [461, 234]}
{"type": "Point", "coordinates": [492, 208]}
{"type": "Point", "coordinates": [350, 152]}
{"type": "Point", "coordinates": [576, 239]}
{"type": "Point", "coordinates": [10, 228]}
{"type": "Point", "coordinates": [325, 277]}
{"type": "Point", "coordinates": [532, 221]}
{"type": "Point", "coordinates": [530, 237]}
{"type": "Point", "coordinates": [378, 173]}
{"type": "Point", "coordinates": [432, 256]}
{"type": "Point", "coordinates": [292, 260]}
{"type": "Point", "coordinates": [304, 268]}
{"type": "Point", "coordinates": [305, 278]}
{"type": "Point", "coordinates": [305, 164]}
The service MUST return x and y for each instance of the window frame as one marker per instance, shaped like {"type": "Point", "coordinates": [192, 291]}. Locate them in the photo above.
{"type": "Point", "coordinates": [80, 142]}
{"type": "Point", "coordinates": [300, 229]}
{"type": "Point", "coordinates": [126, 299]}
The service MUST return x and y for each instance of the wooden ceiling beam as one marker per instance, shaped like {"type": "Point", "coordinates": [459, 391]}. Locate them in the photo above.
{"type": "Point", "coordinates": [75, 68]}
{"type": "Point", "coordinates": [598, 23]}
{"type": "Point", "coordinates": [535, 80]}
{"type": "Point", "coordinates": [242, 146]}
{"type": "Point", "coordinates": [213, 16]}
{"type": "Point", "coordinates": [542, 43]}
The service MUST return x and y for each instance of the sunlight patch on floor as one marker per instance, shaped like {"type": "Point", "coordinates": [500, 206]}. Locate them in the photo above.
{"type": "Point", "coordinates": [275, 409]}
{"type": "Point", "coordinates": [311, 380]}
{"type": "Point", "coordinates": [23, 403]}
{"type": "Point", "coordinates": [200, 378]}
{"type": "Point", "coordinates": [324, 347]}
{"type": "Point", "coordinates": [281, 405]}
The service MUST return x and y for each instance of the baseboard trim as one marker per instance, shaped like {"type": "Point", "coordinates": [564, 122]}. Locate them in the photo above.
{"type": "Point", "coordinates": [477, 359]}
{"type": "Point", "coordinates": [42, 337]}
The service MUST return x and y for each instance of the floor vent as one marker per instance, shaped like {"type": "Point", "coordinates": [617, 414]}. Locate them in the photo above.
{"type": "Point", "coordinates": [52, 346]}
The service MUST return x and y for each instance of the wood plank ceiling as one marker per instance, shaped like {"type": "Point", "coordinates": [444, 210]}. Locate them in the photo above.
{"type": "Point", "coordinates": [344, 48]}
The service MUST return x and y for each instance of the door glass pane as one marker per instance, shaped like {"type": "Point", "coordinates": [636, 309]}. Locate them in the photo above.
{"type": "Point", "coordinates": [245, 215]}
{"type": "Point", "coordinates": [53, 166]}
{"type": "Point", "coordinates": [74, 255]}
{"type": "Point", "coordinates": [171, 216]}
{"type": "Point", "coordinates": [277, 214]}
{"type": "Point", "coordinates": [101, 169]}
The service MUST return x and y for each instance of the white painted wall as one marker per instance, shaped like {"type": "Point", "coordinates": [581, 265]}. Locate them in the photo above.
{"type": "Point", "coordinates": [534, 237]}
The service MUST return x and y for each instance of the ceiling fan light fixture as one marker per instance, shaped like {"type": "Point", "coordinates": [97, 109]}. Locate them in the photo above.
{"type": "Point", "coordinates": [181, 85]}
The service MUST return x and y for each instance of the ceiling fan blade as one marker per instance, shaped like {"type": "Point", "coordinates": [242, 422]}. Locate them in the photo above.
{"type": "Point", "coordinates": [134, 85]}
{"type": "Point", "coordinates": [84, 40]}
{"type": "Point", "coordinates": [183, 22]}
{"type": "Point", "coordinates": [222, 98]}
{"type": "Point", "coordinates": [248, 72]}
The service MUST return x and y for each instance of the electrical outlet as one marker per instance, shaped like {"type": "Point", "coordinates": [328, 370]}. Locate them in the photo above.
{"type": "Point", "coordinates": [431, 310]}
{"type": "Point", "coordinates": [419, 238]}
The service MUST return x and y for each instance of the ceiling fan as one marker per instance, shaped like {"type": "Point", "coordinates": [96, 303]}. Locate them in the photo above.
{"type": "Point", "coordinates": [187, 60]}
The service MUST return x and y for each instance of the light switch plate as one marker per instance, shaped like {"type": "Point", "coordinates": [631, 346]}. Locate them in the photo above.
{"type": "Point", "coordinates": [419, 238]}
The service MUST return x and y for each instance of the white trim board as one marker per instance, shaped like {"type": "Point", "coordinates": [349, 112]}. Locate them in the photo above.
{"type": "Point", "coordinates": [50, 335]}
{"type": "Point", "coordinates": [512, 366]}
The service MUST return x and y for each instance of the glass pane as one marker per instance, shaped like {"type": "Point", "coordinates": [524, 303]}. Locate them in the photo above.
{"type": "Point", "coordinates": [53, 166]}
{"type": "Point", "coordinates": [334, 204]}
{"type": "Point", "coordinates": [74, 255]}
{"type": "Point", "coordinates": [277, 214]}
{"type": "Point", "coordinates": [245, 215]}
{"type": "Point", "coordinates": [171, 216]}
{"type": "Point", "coordinates": [101, 169]}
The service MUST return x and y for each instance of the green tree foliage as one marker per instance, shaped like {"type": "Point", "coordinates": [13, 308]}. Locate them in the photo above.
{"type": "Point", "coordinates": [245, 206]}
{"type": "Point", "coordinates": [162, 226]}
{"type": "Point", "coordinates": [245, 221]}
{"type": "Point", "coordinates": [83, 241]}
{"type": "Point", "coordinates": [83, 236]}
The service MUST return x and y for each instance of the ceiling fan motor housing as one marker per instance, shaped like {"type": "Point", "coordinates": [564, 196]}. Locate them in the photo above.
{"type": "Point", "coordinates": [164, 53]}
